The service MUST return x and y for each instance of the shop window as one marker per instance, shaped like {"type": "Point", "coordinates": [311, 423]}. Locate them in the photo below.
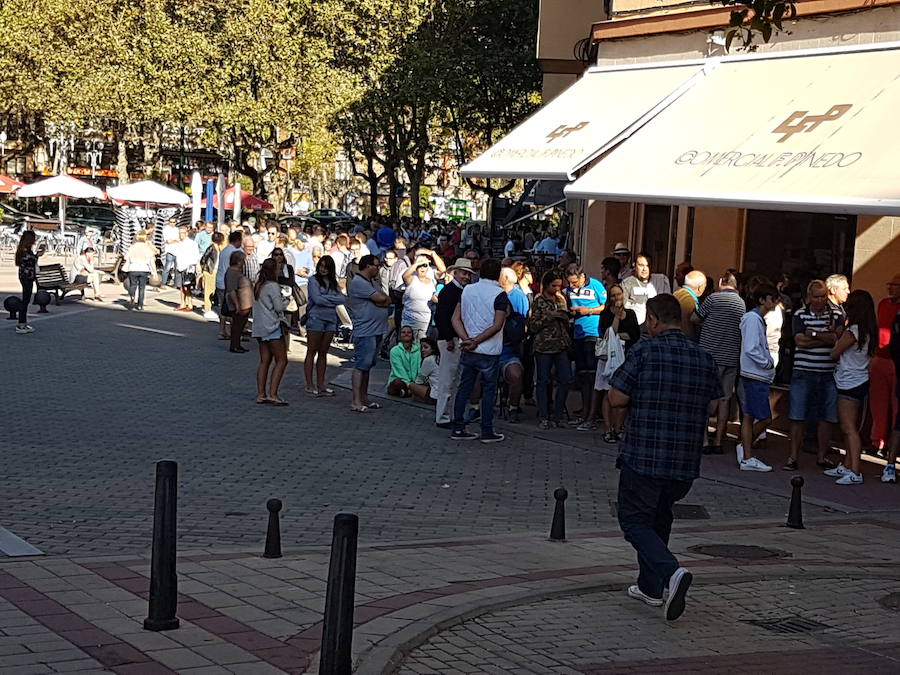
{"type": "Point", "coordinates": [658, 238]}
{"type": "Point", "coordinates": [805, 246]}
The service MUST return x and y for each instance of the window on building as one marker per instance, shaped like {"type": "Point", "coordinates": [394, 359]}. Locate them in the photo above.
{"type": "Point", "coordinates": [805, 246]}
{"type": "Point", "coordinates": [658, 238]}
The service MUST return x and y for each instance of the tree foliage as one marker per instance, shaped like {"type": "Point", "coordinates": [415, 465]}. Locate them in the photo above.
{"type": "Point", "coordinates": [756, 19]}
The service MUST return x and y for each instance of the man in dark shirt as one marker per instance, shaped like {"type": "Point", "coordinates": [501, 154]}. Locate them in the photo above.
{"type": "Point", "coordinates": [448, 341]}
{"type": "Point", "coordinates": [669, 384]}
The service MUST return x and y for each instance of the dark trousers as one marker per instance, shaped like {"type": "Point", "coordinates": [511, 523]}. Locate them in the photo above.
{"type": "Point", "coordinates": [645, 516]}
{"type": "Point", "coordinates": [137, 284]}
{"type": "Point", "coordinates": [546, 363]}
{"type": "Point", "coordinates": [471, 365]}
{"type": "Point", "coordinates": [238, 322]}
{"type": "Point", "coordinates": [27, 288]}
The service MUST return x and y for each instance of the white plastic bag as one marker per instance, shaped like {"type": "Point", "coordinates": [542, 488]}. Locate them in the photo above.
{"type": "Point", "coordinates": [615, 353]}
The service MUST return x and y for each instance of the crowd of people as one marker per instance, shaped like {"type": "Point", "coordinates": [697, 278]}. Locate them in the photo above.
{"type": "Point", "coordinates": [465, 331]}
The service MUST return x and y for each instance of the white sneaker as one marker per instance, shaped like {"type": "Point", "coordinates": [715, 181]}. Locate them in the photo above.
{"type": "Point", "coordinates": [211, 316]}
{"type": "Point", "coordinates": [850, 478]}
{"type": "Point", "coordinates": [21, 330]}
{"type": "Point", "coordinates": [638, 594]}
{"type": "Point", "coordinates": [836, 472]}
{"type": "Point", "coordinates": [678, 588]}
{"type": "Point", "coordinates": [754, 464]}
{"type": "Point", "coordinates": [739, 451]}
{"type": "Point", "coordinates": [889, 475]}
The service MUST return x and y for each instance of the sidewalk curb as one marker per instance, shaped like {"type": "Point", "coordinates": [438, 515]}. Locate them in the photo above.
{"type": "Point", "coordinates": [385, 657]}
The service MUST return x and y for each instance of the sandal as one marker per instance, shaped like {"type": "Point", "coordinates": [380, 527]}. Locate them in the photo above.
{"type": "Point", "coordinates": [325, 392]}
{"type": "Point", "coordinates": [312, 392]}
{"type": "Point", "coordinates": [790, 465]}
{"type": "Point", "coordinates": [374, 406]}
{"type": "Point", "coordinates": [826, 464]}
{"type": "Point", "coordinates": [359, 410]}
{"type": "Point", "coordinates": [262, 399]}
{"type": "Point", "coordinates": [277, 401]}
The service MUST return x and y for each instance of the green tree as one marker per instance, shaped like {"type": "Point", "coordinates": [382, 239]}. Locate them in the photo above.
{"type": "Point", "coordinates": [755, 19]}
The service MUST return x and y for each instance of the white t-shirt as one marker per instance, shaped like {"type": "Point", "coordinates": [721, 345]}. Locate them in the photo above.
{"type": "Point", "coordinates": [186, 254]}
{"type": "Point", "coordinates": [853, 367]}
{"type": "Point", "coordinates": [170, 232]}
{"type": "Point", "coordinates": [264, 249]}
{"type": "Point", "coordinates": [415, 302]}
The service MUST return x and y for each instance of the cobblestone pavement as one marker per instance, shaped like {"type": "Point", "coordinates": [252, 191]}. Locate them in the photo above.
{"type": "Point", "coordinates": [101, 394]}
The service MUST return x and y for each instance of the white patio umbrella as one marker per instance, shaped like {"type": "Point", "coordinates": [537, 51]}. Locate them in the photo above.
{"type": "Point", "coordinates": [220, 199]}
{"type": "Point", "coordinates": [237, 203]}
{"type": "Point", "coordinates": [147, 193]}
{"type": "Point", "coordinates": [196, 196]}
{"type": "Point", "coordinates": [62, 187]}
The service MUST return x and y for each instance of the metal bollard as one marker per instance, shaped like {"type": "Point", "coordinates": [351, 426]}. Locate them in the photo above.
{"type": "Point", "coordinates": [795, 512]}
{"type": "Point", "coordinates": [273, 533]}
{"type": "Point", "coordinates": [337, 631]}
{"type": "Point", "coordinates": [163, 578]}
{"type": "Point", "coordinates": [558, 527]}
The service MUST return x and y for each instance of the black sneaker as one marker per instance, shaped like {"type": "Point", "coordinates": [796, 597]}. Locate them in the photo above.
{"type": "Point", "coordinates": [463, 436]}
{"type": "Point", "coordinates": [492, 438]}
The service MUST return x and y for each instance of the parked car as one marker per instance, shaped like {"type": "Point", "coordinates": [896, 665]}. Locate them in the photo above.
{"type": "Point", "coordinates": [286, 220]}
{"type": "Point", "coordinates": [329, 216]}
{"type": "Point", "coordinates": [91, 215]}
{"type": "Point", "coordinates": [14, 216]}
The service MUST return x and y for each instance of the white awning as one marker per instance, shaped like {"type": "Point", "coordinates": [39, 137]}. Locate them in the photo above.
{"type": "Point", "coordinates": [601, 109]}
{"type": "Point", "coordinates": [796, 131]}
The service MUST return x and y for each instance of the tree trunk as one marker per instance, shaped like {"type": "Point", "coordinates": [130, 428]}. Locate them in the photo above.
{"type": "Point", "coordinates": [393, 184]}
{"type": "Point", "coordinates": [122, 160]}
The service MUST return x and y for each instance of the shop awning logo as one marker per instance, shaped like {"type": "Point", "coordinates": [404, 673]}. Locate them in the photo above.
{"type": "Point", "coordinates": [562, 131]}
{"type": "Point", "coordinates": [802, 121]}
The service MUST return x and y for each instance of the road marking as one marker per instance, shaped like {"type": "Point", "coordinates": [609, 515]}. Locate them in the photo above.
{"type": "Point", "coordinates": [151, 330]}
{"type": "Point", "coordinates": [12, 545]}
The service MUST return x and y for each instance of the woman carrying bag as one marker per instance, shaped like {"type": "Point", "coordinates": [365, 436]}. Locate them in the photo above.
{"type": "Point", "coordinates": [140, 263]}
{"type": "Point", "coordinates": [270, 301]}
{"type": "Point", "coordinates": [620, 330]}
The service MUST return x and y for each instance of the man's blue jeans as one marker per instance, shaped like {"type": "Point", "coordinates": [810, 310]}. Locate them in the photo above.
{"type": "Point", "coordinates": [168, 268]}
{"type": "Point", "coordinates": [471, 365]}
{"type": "Point", "coordinates": [645, 516]}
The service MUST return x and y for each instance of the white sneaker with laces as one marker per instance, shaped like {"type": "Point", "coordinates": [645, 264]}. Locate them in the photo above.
{"type": "Point", "coordinates": [635, 592]}
{"type": "Point", "coordinates": [836, 472]}
{"type": "Point", "coordinates": [889, 475]}
{"type": "Point", "coordinates": [754, 464]}
{"type": "Point", "coordinates": [850, 478]}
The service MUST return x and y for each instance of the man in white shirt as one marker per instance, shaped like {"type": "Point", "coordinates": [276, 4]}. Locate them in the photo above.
{"type": "Point", "coordinates": [478, 321]}
{"type": "Point", "coordinates": [171, 237]}
{"type": "Point", "coordinates": [265, 246]}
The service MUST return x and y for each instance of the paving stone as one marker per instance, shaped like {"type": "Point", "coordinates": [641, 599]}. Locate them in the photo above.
{"type": "Point", "coordinates": [178, 659]}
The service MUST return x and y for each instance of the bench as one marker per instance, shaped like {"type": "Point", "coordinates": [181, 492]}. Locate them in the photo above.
{"type": "Point", "coordinates": [53, 278]}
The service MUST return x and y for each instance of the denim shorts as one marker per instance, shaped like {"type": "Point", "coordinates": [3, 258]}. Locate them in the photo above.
{"type": "Point", "coordinates": [857, 393]}
{"type": "Point", "coordinates": [813, 391]}
{"type": "Point", "coordinates": [508, 360]}
{"type": "Point", "coordinates": [366, 351]}
{"type": "Point", "coordinates": [754, 398]}
{"type": "Point", "coordinates": [323, 325]}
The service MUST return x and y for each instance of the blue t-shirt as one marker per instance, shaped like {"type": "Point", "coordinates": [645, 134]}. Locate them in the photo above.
{"type": "Point", "coordinates": [592, 294]}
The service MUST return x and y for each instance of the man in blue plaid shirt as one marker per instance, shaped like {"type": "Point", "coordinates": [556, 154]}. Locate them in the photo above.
{"type": "Point", "coordinates": [669, 385]}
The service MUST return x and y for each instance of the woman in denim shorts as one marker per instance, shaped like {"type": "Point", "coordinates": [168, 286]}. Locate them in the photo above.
{"type": "Point", "coordinates": [321, 324]}
{"type": "Point", "coordinates": [854, 350]}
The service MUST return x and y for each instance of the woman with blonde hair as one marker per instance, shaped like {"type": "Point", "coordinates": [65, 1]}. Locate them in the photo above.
{"type": "Point", "coordinates": [269, 302]}
{"type": "Point", "coordinates": [139, 261]}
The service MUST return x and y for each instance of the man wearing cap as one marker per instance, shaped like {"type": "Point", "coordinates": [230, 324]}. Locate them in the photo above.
{"type": "Point", "coordinates": [623, 255]}
{"type": "Point", "coordinates": [448, 341]}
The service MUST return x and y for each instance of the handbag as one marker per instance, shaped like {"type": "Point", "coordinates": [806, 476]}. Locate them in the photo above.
{"type": "Point", "coordinates": [615, 354]}
{"type": "Point", "coordinates": [154, 274]}
{"type": "Point", "coordinates": [188, 278]}
{"type": "Point", "coordinates": [601, 347]}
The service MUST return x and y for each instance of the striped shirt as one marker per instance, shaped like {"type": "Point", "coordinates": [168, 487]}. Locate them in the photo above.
{"type": "Point", "coordinates": [720, 334]}
{"type": "Point", "coordinates": [816, 359]}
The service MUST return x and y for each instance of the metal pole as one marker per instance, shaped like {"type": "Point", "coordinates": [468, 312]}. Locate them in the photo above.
{"type": "Point", "coordinates": [337, 632]}
{"type": "Point", "coordinates": [558, 527]}
{"type": "Point", "coordinates": [795, 511]}
{"type": "Point", "coordinates": [273, 533]}
{"type": "Point", "coordinates": [163, 577]}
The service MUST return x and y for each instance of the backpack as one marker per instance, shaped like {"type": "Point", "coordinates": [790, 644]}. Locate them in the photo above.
{"type": "Point", "coordinates": [514, 330]}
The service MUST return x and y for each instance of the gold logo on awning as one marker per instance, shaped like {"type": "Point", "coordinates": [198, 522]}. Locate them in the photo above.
{"type": "Point", "coordinates": [562, 130]}
{"type": "Point", "coordinates": [802, 121]}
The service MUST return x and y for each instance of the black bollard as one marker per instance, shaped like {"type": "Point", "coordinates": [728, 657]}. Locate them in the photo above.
{"type": "Point", "coordinates": [337, 631]}
{"type": "Point", "coordinates": [273, 533]}
{"type": "Point", "coordinates": [163, 578]}
{"type": "Point", "coordinates": [795, 512]}
{"type": "Point", "coordinates": [558, 527]}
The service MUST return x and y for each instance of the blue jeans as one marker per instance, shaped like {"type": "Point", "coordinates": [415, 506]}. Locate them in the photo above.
{"type": "Point", "coordinates": [137, 282]}
{"type": "Point", "coordinates": [645, 516]}
{"type": "Point", "coordinates": [471, 365]}
{"type": "Point", "coordinates": [545, 364]}
{"type": "Point", "coordinates": [168, 267]}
